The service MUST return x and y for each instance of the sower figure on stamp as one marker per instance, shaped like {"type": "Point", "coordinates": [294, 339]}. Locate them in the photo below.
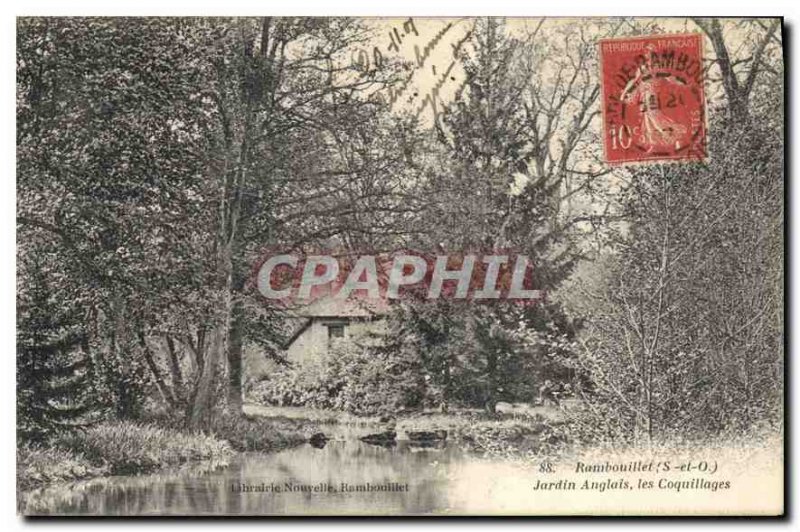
{"type": "Point", "coordinates": [658, 131]}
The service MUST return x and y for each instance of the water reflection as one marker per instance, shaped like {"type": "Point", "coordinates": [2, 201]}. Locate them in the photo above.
{"type": "Point", "coordinates": [247, 486]}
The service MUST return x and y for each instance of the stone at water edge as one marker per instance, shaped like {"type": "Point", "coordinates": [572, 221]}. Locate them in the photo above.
{"type": "Point", "coordinates": [427, 435]}
{"type": "Point", "coordinates": [318, 440]}
{"type": "Point", "coordinates": [388, 435]}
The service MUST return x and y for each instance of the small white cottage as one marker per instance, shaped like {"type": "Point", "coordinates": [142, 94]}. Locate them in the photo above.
{"type": "Point", "coordinates": [330, 321]}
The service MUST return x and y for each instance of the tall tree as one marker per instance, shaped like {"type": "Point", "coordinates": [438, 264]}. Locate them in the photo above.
{"type": "Point", "coordinates": [686, 331]}
{"type": "Point", "coordinates": [281, 95]}
{"type": "Point", "coordinates": [509, 161]}
{"type": "Point", "coordinates": [107, 173]}
{"type": "Point", "coordinates": [52, 367]}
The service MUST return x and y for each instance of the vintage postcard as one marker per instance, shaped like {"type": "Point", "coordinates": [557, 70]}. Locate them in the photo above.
{"type": "Point", "coordinates": [272, 266]}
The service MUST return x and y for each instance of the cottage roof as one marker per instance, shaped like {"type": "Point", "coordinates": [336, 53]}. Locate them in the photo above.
{"type": "Point", "coordinates": [332, 307]}
{"type": "Point", "coordinates": [301, 317]}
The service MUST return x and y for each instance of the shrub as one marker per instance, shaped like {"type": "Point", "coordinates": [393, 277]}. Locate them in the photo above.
{"type": "Point", "coordinates": [377, 381]}
{"type": "Point", "coordinates": [313, 386]}
{"type": "Point", "coordinates": [361, 380]}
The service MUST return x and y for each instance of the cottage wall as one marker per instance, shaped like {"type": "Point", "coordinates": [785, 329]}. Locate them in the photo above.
{"type": "Point", "coordinates": [312, 346]}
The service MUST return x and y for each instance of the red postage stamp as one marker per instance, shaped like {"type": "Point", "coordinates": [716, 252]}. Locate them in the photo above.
{"type": "Point", "coordinates": [653, 98]}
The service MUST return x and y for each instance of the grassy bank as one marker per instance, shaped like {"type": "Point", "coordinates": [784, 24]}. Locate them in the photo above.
{"type": "Point", "coordinates": [127, 447]}
{"type": "Point", "coordinates": [257, 434]}
{"type": "Point", "coordinates": [37, 466]}
{"type": "Point", "coordinates": [113, 448]}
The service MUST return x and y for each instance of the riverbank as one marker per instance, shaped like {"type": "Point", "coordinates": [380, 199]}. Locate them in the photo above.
{"type": "Point", "coordinates": [128, 448]}
{"type": "Point", "coordinates": [504, 435]}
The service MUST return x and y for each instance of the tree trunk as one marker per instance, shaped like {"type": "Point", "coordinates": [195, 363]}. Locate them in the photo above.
{"type": "Point", "coordinates": [203, 400]}
{"type": "Point", "coordinates": [491, 386]}
{"type": "Point", "coordinates": [738, 91]}
{"type": "Point", "coordinates": [163, 389]}
{"type": "Point", "coordinates": [235, 343]}
{"type": "Point", "coordinates": [175, 370]}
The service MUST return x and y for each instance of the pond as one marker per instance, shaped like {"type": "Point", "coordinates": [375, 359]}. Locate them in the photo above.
{"type": "Point", "coordinates": [346, 476]}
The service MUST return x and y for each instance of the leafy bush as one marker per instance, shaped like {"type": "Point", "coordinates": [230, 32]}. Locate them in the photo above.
{"type": "Point", "coordinates": [376, 380]}
{"type": "Point", "coordinates": [314, 386]}
{"type": "Point", "coordinates": [361, 380]}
